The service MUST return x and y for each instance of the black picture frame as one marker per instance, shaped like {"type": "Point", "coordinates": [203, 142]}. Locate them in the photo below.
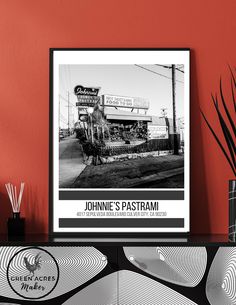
{"type": "Point", "coordinates": [108, 233]}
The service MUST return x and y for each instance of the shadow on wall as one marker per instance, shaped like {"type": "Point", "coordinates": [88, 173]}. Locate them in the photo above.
{"type": "Point", "coordinates": [32, 211]}
{"type": "Point", "coordinates": [29, 209]}
{"type": "Point", "coordinates": [200, 218]}
{"type": "Point", "coordinates": [5, 212]}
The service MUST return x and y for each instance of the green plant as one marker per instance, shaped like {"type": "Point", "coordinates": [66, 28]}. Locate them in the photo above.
{"type": "Point", "coordinates": [94, 150]}
{"type": "Point", "coordinates": [226, 122]}
{"type": "Point", "coordinates": [80, 134]}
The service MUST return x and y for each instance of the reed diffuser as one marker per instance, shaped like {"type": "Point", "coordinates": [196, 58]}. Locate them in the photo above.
{"type": "Point", "coordinates": [16, 224]}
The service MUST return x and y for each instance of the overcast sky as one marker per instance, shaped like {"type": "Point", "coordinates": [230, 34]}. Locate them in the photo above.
{"type": "Point", "coordinates": [124, 80]}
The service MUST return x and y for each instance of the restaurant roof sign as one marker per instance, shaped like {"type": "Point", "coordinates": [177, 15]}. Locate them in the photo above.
{"type": "Point", "coordinates": [125, 101]}
{"type": "Point", "coordinates": [88, 91]}
{"type": "Point", "coordinates": [85, 100]}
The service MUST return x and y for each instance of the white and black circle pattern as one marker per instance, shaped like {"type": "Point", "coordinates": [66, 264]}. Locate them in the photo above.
{"type": "Point", "coordinates": [127, 288]}
{"type": "Point", "coordinates": [221, 281]}
{"type": "Point", "coordinates": [77, 265]}
{"type": "Point", "coordinates": [21, 273]}
{"type": "Point", "coordinates": [183, 266]}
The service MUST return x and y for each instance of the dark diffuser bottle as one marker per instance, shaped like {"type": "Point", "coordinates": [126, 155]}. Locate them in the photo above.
{"type": "Point", "coordinates": [232, 210]}
{"type": "Point", "coordinates": [16, 226]}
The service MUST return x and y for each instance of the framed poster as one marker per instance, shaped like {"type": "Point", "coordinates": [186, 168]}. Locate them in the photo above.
{"type": "Point", "coordinates": [119, 141]}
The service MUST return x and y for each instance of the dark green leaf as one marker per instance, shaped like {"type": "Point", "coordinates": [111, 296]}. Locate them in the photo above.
{"type": "Point", "coordinates": [232, 89]}
{"type": "Point", "coordinates": [226, 110]}
{"type": "Point", "coordinates": [228, 138]}
{"type": "Point", "coordinates": [232, 74]}
{"type": "Point", "coordinates": [219, 143]}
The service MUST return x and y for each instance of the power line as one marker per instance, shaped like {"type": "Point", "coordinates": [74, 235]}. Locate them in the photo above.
{"type": "Point", "coordinates": [157, 73]}
{"type": "Point", "coordinates": [62, 80]}
{"type": "Point", "coordinates": [152, 71]}
{"type": "Point", "coordinates": [62, 117]}
{"type": "Point", "coordinates": [69, 71]}
{"type": "Point", "coordinates": [169, 67]}
{"type": "Point", "coordinates": [164, 66]}
{"type": "Point", "coordinates": [178, 69]}
{"type": "Point", "coordinates": [62, 121]}
{"type": "Point", "coordinates": [67, 100]}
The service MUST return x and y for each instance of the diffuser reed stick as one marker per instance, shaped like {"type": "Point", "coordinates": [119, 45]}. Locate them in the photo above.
{"type": "Point", "coordinates": [14, 198]}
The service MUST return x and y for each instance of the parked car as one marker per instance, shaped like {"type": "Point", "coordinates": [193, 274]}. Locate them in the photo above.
{"type": "Point", "coordinates": [63, 133]}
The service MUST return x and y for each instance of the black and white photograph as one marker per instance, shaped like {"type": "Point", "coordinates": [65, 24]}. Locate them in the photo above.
{"type": "Point", "coordinates": [120, 145]}
{"type": "Point", "coordinates": [121, 126]}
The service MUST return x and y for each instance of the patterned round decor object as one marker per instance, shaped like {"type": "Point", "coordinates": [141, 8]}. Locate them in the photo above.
{"type": "Point", "coordinates": [183, 266]}
{"type": "Point", "coordinates": [32, 273]}
{"type": "Point", "coordinates": [42, 273]}
{"type": "Point", "coordinates": [127, 288]}
{"type": "Point", "coordinates": [221, 281]}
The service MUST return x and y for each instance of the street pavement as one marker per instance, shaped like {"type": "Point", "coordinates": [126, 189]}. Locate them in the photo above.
{"type": "Point", "coordinates": [70, 161]}
{"type": "Point", "coordinates": [161, 171]}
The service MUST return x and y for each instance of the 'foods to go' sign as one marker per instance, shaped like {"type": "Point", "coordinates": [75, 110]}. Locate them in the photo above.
{"type": "Point", "coordinates": [125, 101]}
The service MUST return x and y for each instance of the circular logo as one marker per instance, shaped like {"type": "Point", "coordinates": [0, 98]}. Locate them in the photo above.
{"type": "Point", "coordinates": [33, 273]}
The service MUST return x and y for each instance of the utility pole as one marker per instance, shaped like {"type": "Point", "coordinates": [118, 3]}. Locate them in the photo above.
{"type": "Point", "coordinates": [176, 148]}
{"type": "Point", "coordinates": [59, 110]}
{"type": "Point", "coordinates": [68, 113]}
{"type": "Point", "coordinates": [59, 116]}
{"type": "Point", "coordinates": [78, 113]}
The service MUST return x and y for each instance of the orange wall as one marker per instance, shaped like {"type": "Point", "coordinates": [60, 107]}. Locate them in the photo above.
{"type": "Point", "coordinates": [29, 28]}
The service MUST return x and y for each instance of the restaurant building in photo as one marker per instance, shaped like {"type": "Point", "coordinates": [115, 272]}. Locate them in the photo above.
{"type": "Point", "coordinates": [130, 113]}
{"type": "Point", "coordinates": [123, 121]}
